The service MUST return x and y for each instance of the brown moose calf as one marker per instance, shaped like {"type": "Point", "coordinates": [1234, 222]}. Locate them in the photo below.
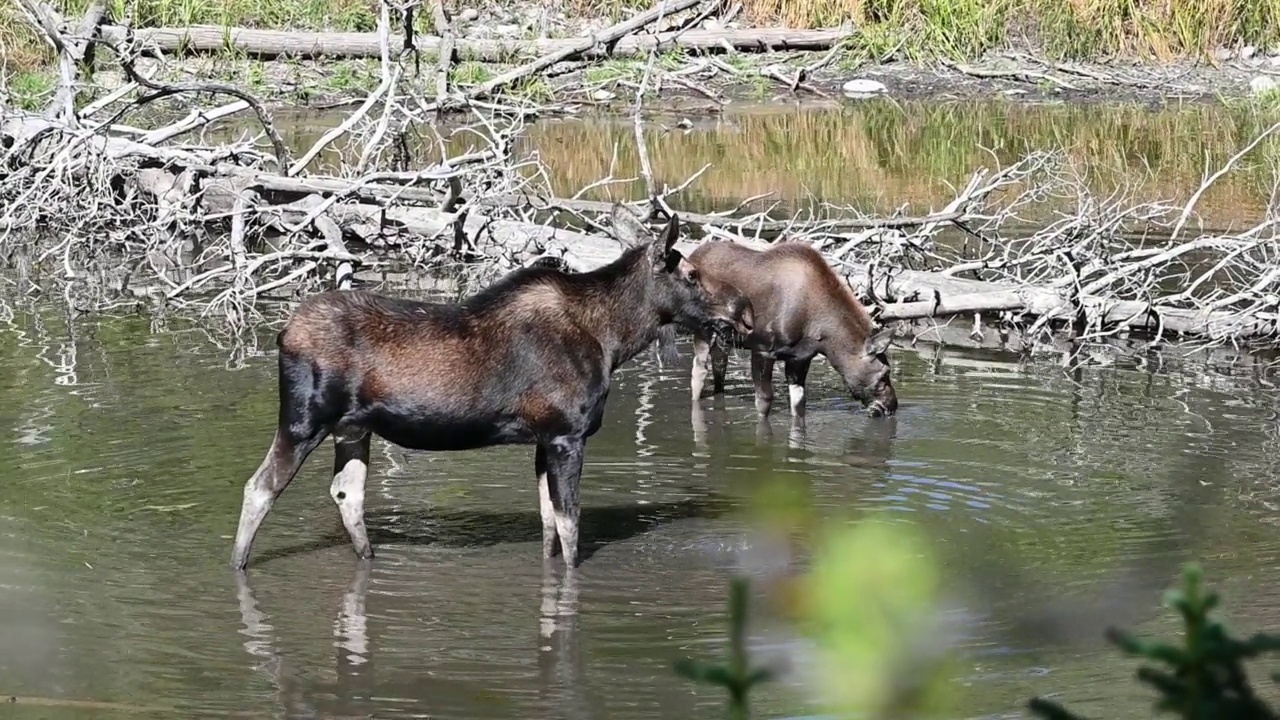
{"type": "Point", "coordinates": [801, 309]}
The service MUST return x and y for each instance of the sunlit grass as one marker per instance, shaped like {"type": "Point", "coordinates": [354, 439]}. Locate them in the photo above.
{"type": "Point", "coordinates": [1072, 28]}
{"type": "Point", "coordinates": [1076, 29]}
{"type": "Point", "coordinates": [881, 155]}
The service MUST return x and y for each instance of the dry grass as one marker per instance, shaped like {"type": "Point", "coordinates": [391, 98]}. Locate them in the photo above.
{"type": "Point", "coordinates": [1161, 29]}
{"type": "Point", "coordinates": [880, 156]}
{"type": "Point", "coordinates": [1076, 29]}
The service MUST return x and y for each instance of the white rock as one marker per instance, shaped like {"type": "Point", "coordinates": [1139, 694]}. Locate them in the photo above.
{"type": "Point", "coordinates": [1263, 84]}
{"type": "Point", "coordinates": [1247, 52]}
{"type": "Point", "coordinates": [507, 30]}
{"type": "Point", "coordinates": [862, 87]}
{"type": "Point", "coordinates": [1274, 61]}
{"type": "Point", "coordinates": [711, 25]}
{"type": "Point", "coordinates": [603, 95]}
{"type": "Point", "coordinates": [1222, 54]}
{"type": "Point", "coordinates": [469, 15]}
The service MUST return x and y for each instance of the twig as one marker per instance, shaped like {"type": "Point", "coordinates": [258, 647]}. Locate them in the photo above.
{"type": "Point", "coordinates": [1027, 76]}
{"type": "Point", "coordinates": [161, 91]}
{"type": "Point", "coordinates": [606, 37]}
{"type": "Point", "coordinates": [445, 30]}
{"type": "Point", "coordinates": [1204, 186]}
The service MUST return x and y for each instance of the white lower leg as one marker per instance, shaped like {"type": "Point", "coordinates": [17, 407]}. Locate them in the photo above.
{"type": "Point", "coordinates": [253, 509]}
{"type": "Point", "coordinates": [697, 379]}
{"type": "Point", "coordinates": [347, 492]}
{"type": "Point", "coordinates": [550, 539]}
{"type": "Point", "coordinates": [797, 398]}
{"type": "Point", "coordinates": [567, 528]}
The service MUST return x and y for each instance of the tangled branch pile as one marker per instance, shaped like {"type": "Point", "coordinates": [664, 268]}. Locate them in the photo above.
{"type": "Point", "coordinates": [117, 210]}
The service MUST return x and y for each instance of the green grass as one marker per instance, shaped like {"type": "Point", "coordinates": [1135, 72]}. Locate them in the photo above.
{"type": "Point", "coordinates": [613, 70]}
{"type": "Point", "coordinates": [470, 72]}
{"type": "Point", "coordinates": [30, 90]}
{"type": "Point", "coordinates": [1071, 29]}
{"type": "Point", "coordinates": [914, 29]}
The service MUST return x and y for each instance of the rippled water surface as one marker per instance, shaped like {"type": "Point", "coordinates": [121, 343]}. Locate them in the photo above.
{"type": "Point", "coordinates": [127, 446]}
{"type": "Point", "coordinates": [1060, 501]}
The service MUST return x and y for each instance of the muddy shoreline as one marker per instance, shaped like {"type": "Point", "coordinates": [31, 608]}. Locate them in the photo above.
{"type": "Point", "coordinates": [706, 84]}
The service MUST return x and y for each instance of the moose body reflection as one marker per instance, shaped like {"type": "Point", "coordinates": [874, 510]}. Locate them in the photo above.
{"type": "Point", "coordinates": [526, 361]}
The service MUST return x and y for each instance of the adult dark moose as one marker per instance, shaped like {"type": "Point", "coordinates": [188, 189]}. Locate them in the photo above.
{"type": "Point", "coordinates": [527, 360]}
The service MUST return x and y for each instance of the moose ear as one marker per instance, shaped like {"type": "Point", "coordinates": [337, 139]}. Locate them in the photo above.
{"type": "Point", "coordinates": [627, 227]}
{"type": "Point", "coordinates": [879, 342]}
{"type": "Point", "coordinates": [664, 253]}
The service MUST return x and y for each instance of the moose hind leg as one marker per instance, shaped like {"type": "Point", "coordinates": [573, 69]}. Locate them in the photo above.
{"type": "Point", "coordinates": [719, 364]}
{"type": "Point", "coordinates": [550, 538]}
{"type": "Point", "coordinates": [564, 471]}
{"type": "Point", "coordinates": [286, 455]}
{"type": "Point", "coordinates": [350, 470]}
{"type": "Point", "coordinates": [762, 378]}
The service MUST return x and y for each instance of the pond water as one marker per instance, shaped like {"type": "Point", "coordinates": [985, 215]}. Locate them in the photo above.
{"type": "Point", "coordinates": [128, 445]}
{"type": "Point", "coordinates": [1059, 501]}
{"type": "Point", "coordinates": [887, 155]}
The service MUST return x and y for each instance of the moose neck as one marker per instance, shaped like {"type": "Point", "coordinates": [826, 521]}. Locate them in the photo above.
{"type": "Point", "coordinates": [843, 347]}
{"type": "Point", "coordinates": [623, 318]}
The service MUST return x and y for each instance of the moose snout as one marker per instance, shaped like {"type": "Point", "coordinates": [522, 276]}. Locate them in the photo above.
{"type": "Point", "coordinates": [886, 404]}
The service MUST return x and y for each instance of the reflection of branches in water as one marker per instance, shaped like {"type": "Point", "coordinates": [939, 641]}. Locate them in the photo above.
{"type": "Point", "coordinates": [33, 430]}
{"type": "Point", "coordinates": [650, 376]}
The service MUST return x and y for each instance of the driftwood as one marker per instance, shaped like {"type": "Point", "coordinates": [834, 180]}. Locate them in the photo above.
{"type": "Point", "coordinates": [224, 227]}
{"type": "Point", "coordinates": [394, 209]}
{"type": "Point", "coordinates": [268, 44]}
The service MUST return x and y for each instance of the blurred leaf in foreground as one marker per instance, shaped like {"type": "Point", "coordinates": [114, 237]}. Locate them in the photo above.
{"type": "Point", "coordinates": [870, 605]}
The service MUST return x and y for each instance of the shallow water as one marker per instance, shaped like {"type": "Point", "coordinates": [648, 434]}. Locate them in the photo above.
{"type": "Point", "coordinates": [886, 155]}
{"type": "Point", "coordinates": [127, 450]}
{"type": "Point", "coordinates": [1060, 502]}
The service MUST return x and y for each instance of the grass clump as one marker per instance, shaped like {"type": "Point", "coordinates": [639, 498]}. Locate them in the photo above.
{"type": "Point", "coordinates": [469, 73]}
{"type": "Point", "coordinates": [614, 70]}
{"type": "Point", "coordinates": [1070, 29]}
{"type": "Point", "coordinates": [30, 89]}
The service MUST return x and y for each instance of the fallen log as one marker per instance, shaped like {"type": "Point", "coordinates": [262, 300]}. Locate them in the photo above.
{"type": "Point", "coordinates": [760, 227]}
{"type": "Point", "coordinates": [271, 44]}
{"type": "Point", "coordinates": [931, 295]}
{"type": "Point", "coordinates": [956, 296]}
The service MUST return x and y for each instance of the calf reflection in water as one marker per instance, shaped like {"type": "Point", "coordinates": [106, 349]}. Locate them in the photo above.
{"type": "Point", "coordinates": [526, 361]}
{"type": "Point", "coordinates": [801, 309]}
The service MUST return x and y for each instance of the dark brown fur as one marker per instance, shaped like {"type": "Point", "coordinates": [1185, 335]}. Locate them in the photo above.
{"type": "Point", "coordinates": [801, 309]}
{"type": "Point", "coordinates": [526, 361]}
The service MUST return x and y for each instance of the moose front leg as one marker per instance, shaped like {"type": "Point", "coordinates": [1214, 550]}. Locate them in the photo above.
{"type": "Point", "coordinates": [550, 539]}
{"type": "Point", "coordinates": [762, 378]}
{"type": "Point", "coordinates": [564, 470]}
{"type": "Point", "coordinates": [350, 470]}
{"type": "Point", "coordinates": [701, 363]}
{"type": "Point", "coordinates": [797, 371]}
{"type": "Point", "coordinates": [288, 451]}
